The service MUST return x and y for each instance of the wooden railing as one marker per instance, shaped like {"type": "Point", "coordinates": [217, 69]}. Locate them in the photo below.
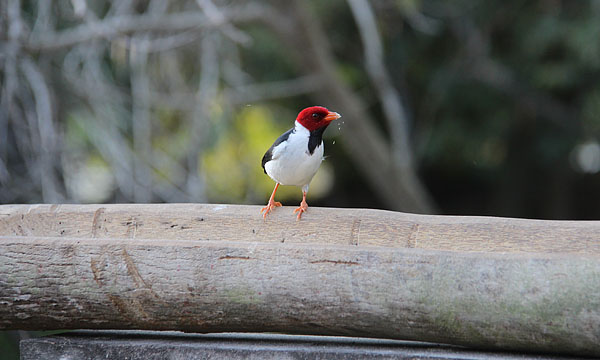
{"type": "Point", "coordinates": [482, 282]}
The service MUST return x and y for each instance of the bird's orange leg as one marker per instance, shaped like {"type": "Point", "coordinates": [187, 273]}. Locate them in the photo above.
{"type": "Point", "coordinates": [272, 203]}
{"type": "Point", "coordinates": [303, 206]}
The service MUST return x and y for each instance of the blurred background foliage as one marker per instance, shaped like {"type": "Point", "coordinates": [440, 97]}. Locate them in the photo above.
{"type": "Point", "coordinates": [494, 105]}
{"type": "Point", "coordinates": [452, 107]}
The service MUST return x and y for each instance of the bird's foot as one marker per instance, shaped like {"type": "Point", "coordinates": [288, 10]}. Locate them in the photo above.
{"type": "Point", "coordinates": [270, 206]}
{"type": "Point", "coordinates": [302, 208]}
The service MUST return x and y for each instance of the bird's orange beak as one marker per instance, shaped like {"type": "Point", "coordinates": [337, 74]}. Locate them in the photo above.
{"type": "Point", "coordinates": [332, 115]}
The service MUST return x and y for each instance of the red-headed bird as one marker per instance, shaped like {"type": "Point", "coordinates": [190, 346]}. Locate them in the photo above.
{"type": "Point", "coordinates": [296, 155]}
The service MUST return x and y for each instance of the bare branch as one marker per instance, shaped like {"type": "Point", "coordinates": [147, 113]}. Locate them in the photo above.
{"type": "Point", "coordinates": [380, 78]}
{"type": "Point", "coordinates": [44, 21]}
{"type": "Point", "coordinates": [47, 132]}
{"type": "Point", "coordinates": [9, 87]}
{"type": "Point", "coordinates": [207, 92]}
{"type": "Point", "coordinates": [16, 26]}
{"type": "Point", "coordinates": [164, 43]}
{"type": "Point", "coordinates": [140, 117]}
{"type": "Point", "coordinates": [216, 16]}
{"type": "Point", "coordinates": [120, 25]}
{"type": "Point", "coordinates": [273, 90]}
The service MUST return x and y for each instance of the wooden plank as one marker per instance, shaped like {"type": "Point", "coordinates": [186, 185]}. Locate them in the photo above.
{"type": "Point", "coordinates": [214, 268]}
{"type": "Point", "coordinates": [199, 222]}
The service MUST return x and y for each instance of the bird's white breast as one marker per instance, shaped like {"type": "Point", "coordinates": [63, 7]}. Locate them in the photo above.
{"type": "Point", "coordinates": [292, 164]}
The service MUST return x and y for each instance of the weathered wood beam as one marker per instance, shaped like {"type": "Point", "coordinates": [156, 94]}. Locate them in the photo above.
{"type": "Point", "coordinates": [364, 227]}
{"type": "Point", "coordinates": [481, 282]}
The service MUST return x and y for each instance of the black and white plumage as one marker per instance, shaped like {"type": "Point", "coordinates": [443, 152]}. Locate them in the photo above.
{"type": "Point", "coordinates": [296, 155]}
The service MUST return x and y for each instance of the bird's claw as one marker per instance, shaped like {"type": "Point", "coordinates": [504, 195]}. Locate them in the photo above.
{"type": "Point", "coordinates": [302, 208]}
{"type": "Point", "coordinates": [270, 206]}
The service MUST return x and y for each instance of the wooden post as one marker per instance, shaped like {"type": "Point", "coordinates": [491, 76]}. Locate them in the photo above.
{"type": "Point", "coordinates": [491, 283]}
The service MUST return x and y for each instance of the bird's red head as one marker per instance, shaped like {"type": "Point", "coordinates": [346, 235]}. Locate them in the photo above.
{"type": "Point", "coordinates": [316, 117]}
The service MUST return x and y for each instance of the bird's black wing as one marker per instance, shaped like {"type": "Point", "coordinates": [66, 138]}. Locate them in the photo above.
{"type": "Point", "coordinates": [269, 154]}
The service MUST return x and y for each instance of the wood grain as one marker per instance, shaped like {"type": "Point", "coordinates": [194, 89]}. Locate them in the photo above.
{"type": "Point", "coordinates": [362, 227]}
{"type": "Point", "coordinates": [482, 282]}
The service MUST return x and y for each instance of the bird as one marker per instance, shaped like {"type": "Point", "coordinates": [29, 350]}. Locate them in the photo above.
{"type": "Point", "coordinates": [296, 155]}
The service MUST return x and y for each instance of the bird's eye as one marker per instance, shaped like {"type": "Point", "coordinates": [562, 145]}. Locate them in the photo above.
{"type": "Point", "coordinates": [315, 115]}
